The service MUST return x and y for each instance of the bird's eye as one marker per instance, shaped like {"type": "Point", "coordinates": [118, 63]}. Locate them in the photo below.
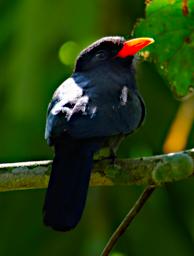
{"type": "Point", "coordinates": [101, 55]}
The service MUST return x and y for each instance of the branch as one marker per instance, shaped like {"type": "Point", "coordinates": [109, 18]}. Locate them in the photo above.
{"type": "Point", "coordinates": [154, 170]}
{"type": "Point", "coordinates": [128, 219]}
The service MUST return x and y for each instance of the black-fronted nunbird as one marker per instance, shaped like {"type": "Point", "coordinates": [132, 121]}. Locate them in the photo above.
{"type": "Point", "coordinates": [98, 104]}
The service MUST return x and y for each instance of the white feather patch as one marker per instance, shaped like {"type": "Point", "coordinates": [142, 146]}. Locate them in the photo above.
{"type": "Point", "coordinates": [68, 92]}
{"type": "Point", "coordinates": [80, 106]}
{"type": "Point", "coordinates": [124, 95]}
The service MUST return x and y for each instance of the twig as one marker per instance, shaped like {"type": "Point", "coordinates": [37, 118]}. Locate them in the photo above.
{"type": "Point", "coordinates": [147, 170]}
{"type": "Point", "coordinates": [128, 219]}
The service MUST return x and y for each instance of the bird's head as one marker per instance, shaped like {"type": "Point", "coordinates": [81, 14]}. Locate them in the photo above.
{"type": "Point", "coordinates": [110, 50]}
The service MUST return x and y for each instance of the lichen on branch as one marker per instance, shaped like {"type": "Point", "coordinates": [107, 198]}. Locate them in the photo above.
{"type": "Point", "coordinates": [155, 170]}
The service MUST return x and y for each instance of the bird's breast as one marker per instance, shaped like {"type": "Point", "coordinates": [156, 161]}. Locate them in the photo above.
{"type": "Point", "coordinates": [107, 118]}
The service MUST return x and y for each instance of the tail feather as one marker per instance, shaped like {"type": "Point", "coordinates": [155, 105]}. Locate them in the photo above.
{"type": "Point", "coordinates": [68, 185]}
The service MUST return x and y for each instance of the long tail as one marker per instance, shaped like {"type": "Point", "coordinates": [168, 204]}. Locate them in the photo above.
{"type": "Point", "coordinates": [68, 185]}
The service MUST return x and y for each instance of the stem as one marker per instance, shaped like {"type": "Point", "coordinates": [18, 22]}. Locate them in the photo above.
{"type": "Point", "coordinates": [128, 219]}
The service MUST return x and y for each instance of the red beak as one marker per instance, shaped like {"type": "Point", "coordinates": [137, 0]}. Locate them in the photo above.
{"type": "Point", "coordinates": [131, 47]}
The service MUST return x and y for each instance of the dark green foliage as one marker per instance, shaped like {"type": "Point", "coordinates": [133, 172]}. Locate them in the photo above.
{"type": "Point", "coordinates": [171, 24]}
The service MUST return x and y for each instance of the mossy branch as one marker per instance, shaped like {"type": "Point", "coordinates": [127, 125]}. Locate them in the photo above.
{"type": "Point", "coordinates": [154, 170]}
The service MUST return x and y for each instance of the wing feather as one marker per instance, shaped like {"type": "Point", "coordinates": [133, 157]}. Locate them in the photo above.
{"type": "Point", "coordinates": [67, 100]}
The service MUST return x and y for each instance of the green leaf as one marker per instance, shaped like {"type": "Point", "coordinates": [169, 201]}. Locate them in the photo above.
{"type": "Point", "coordinates": [171, 24]}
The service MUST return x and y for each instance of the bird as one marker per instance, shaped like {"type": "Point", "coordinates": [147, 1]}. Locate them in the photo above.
{"type": "Point", "coordinates": [98, 105]}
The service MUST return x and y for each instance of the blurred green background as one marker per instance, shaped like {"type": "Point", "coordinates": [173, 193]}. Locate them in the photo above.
{"type": "Point", "coordinates": [31, 34]}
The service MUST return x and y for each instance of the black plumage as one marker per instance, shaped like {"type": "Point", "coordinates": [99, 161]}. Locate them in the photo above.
{"type": "Point", "coordinates": [98, 102]}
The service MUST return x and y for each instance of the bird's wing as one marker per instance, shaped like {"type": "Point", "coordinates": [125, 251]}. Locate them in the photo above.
{"type": "Point", "coordinates": [67, 92]}
{"type": "Point", "coordinates": [76, 108]}
{"type": "Point", "coordinates": [68, 100]}
{"type": "Point", "coordinates": [120, 115]}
